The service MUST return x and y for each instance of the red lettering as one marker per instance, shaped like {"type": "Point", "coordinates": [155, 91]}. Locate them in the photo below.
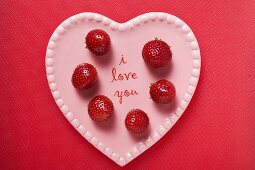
{"type": "Point", "coordinates": [134, 76]}
{"type": "Point", "coordinates": [133, 92]}
{"type": "Point", "coordinates": [113, 75]}
{"type": "Point", "coordinates": [125, 76]}
{"type": "Point", "coordinates": [119, 95]}
{"type": "Point", "coordinates": [122, 61]}
{"type": "Point", "coordinates": [126, 93]}
{"type": "Point", "coordinates": [120, 77]}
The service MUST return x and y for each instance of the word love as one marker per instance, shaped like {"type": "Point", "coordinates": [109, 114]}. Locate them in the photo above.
{"type": "Point", "coordinates": [122, 76]}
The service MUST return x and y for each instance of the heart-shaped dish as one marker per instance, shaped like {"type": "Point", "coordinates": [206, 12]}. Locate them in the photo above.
{"type": "Point", "coordinates": [66, 49]}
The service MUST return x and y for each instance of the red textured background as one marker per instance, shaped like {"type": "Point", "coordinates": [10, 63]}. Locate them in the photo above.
{"type": "Point", "coordinates": [217, 130]}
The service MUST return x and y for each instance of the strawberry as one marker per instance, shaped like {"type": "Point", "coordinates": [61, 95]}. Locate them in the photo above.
{"type": "Point", "coordinates": [162, 92]}
{"type": "Point", "coordinates": [84, 76]}
{"type": "Point", "coordinates": [157, 53]}
{"type": "Point", "coordinates": [100, 108]}
{"type": "Point", "coordinates": [136, 121]}
{"type": "Point", "coordinates": [98, 42]}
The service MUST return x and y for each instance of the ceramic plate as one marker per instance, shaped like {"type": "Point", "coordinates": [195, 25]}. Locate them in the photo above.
{"type": "Point", "coordinates": [66, 50]}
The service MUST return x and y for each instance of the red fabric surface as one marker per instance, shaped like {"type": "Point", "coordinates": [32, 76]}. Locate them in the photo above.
{"type": "Point", "coordinates": [215, 132]}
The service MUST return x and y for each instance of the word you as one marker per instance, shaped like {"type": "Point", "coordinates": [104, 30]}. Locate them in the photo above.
{"type": "Point", "coordinates": [126, 93]}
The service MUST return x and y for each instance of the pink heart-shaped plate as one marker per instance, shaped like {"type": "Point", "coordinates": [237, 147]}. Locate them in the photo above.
{"type": "Point", "coordinates": [66, 50]}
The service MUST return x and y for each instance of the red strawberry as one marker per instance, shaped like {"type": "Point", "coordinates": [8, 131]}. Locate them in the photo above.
{"type": "Point", "coordinates": [162, 91]}
{"type": "Point", "coordinates": [100, 108]}
{"type": "Point", "coordinates": [98, 42]}
{"type": "Point", "coordinates": [84, 76]}
{"type": "Point", "coordinates": [136, 121]}
{"type": "Point", "coordinates": [157, 53]}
